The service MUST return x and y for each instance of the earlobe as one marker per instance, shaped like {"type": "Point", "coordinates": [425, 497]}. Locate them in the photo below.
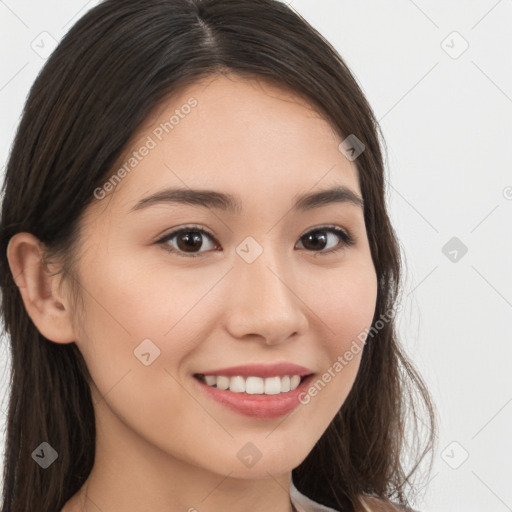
{"type": "Point", "coordinates": [49, 311]}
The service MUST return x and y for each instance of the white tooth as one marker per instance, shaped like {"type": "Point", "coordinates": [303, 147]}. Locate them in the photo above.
{"type": "Point", "coordinates": [237, 384]}
{"type": "Point", "coordinates": [211, 380]}
{"type": "Point", "coordinates": [272, 385]}
{"type": "Point", "coordinates": [285, 384]}
{"type": "Point", "coordinates": [294, 382]}
{"type": "Point", "coordinates": [222, 382]}
{"type": "Point", "coordinates": [254, 385]}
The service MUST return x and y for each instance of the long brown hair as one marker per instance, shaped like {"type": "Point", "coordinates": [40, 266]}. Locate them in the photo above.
{"type": "Point", "coordinates": [113, 67]}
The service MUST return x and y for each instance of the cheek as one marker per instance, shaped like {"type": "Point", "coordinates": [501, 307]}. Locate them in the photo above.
{"type": "Point", "coordinates": [138, 300]}
{"type": "Point", "coordinates": [345, 307]}
{"type": "Point", "coordinates": [137, 313]}
{"type": "Point", "coordinates": [344, 301]}
{"type": "Point", "coordinates": [139, 310]}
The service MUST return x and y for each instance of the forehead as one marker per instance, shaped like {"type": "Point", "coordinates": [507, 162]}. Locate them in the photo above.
{"type": "Point", "coordinates": [249, 136]}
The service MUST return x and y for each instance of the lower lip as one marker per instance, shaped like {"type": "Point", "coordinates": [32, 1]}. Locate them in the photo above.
{"type": "Point", "coordinates": [258, 406]}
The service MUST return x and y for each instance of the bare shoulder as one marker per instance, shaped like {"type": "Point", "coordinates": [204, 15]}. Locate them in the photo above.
{"type": "Point", "coordinates": [374, 504]}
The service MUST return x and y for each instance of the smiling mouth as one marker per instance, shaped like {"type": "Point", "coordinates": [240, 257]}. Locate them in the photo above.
{"type": "Point", "coordinates": [252, 385]}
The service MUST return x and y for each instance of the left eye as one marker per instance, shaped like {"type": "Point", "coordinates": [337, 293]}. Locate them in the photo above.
{"type": "Point", "coordinates": [188, 239]}
{"type": "Point", "coordinates": [322, 235]}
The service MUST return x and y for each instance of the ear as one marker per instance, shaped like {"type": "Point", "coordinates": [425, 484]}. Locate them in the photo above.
{"type": "Point", "coordinates": [47, 308]}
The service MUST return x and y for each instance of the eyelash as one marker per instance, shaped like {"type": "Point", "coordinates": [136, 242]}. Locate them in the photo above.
{"type": "Point", "coordinates": [347, 240]}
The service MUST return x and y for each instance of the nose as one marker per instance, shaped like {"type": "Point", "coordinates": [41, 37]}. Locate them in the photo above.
{"type": "Point", "coordinates": [264, 302]}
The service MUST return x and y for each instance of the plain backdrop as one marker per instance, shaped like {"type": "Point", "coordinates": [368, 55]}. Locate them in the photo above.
{"type": "Point", "coordinates": [438, 75]}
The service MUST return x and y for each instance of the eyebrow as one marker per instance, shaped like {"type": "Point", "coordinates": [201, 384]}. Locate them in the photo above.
{"type": "Point", "coordinates": [227, 202]}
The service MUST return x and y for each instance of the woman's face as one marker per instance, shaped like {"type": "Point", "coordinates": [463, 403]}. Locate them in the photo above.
{"type": "Point", "coordinates": [160, 308]}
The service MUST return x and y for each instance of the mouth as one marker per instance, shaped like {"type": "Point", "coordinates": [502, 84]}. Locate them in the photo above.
{"type": "Point", "coordinates": [254, 396]}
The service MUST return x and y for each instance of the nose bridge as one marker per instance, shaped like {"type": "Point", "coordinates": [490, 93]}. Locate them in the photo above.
{"type": "Point", "coordinates": [263, 301]}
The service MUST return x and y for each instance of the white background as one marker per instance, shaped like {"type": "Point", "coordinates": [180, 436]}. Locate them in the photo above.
{"type": "Point", "coordinates": [446, 117]}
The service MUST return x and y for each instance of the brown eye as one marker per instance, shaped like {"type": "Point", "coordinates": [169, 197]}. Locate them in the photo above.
{"type": "Point", "coordinates": [187, 241]}
{"type": "Point", "coordinates": [318, 239]}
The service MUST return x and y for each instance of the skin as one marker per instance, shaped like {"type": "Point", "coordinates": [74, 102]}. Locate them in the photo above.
{"type": "Point", "coordinates": [162, 445]}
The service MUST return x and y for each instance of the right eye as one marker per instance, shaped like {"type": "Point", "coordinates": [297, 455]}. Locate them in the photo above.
{"type": "Point", "coordinates": [187, 240]}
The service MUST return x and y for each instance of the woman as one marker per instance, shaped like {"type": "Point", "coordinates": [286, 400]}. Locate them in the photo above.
{"type": "Point", "coordinates": [199, 272]}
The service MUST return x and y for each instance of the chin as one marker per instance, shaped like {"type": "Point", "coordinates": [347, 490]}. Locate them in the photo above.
{"type": "Point", "coordinates": [262, 459]}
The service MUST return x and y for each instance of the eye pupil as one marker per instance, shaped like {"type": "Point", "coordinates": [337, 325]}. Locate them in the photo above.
{"type": "Point", "coordinates": [192, 240]}
{"type": "Point", "coordinates": [316, 236]}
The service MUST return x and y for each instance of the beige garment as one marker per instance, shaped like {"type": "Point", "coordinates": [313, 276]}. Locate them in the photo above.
{"type": "Point", "coordinates": [303, 504]}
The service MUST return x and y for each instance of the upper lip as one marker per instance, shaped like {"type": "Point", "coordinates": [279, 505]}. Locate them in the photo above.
{"type": "Point", "coordinates": [260, 370]}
